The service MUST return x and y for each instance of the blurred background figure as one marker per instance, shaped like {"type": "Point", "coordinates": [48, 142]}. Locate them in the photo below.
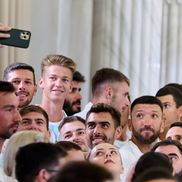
{"type": "Point", "coordinates": [82, 171]}
{"type": "Point", "coordinates": [151, 160]}
{"type": "Point", "coordinates": [45, 161]}
{"type": "Point", "coordinates": [156, 175]}
{"type": "Point", "coordinates": [16, 141]}
{"type": "Point", "coordinates": [72, 103]}
{"type": "Point", "coordinates": [74, 151]}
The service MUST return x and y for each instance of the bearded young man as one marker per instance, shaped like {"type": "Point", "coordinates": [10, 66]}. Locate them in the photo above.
{"type": "Point", "coordinates": [146, 124]}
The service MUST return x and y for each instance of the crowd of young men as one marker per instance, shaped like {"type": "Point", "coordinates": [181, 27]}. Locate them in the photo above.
{"type": "Point", "coordinates": [108, 119]}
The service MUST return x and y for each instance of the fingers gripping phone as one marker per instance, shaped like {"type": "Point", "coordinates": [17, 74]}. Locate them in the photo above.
{"type": "Point", "coordinates": [18, 38]}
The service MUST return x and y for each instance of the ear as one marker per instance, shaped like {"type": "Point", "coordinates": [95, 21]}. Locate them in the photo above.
{"type": "Point", "coordinates": [118, 132]}
{"type": "Point", "coordinates": [43, 175]}
{"type": "Point", "coordinates": [41, 83]}
{"type": "Point", "coordinates": [130, 124]}
{"type": "Point", "coordinates": [48, 134]}
{"type": "Point", "coordinates": [71, 85]}
{"type": "Point", "coordinates": [179, 111]}
{"type": "Point", "coordinates": [108, 92]}
{"type": "Point", "coordinates": [35, 89]}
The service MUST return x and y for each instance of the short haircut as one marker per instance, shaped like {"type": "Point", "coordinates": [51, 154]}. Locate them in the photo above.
{"type": "Point", "coordinates": [82, 171]}
{"type": "Point", "coordinates": [6, 87]}
{"type": "Point", "coordinates": [171, 90]}
{"type": "Point", "coordinates": [156, 159]}
{"type": "Point", "coordinates": [71, 119]}
{"type": "Point", "coordinates": [106, 75]}
{"type": "Point", "coordinates": [31, 158]}
{"type": "Point", "coordinates": [154, 173]}
{"type": "Point", "coordinates": [167, 143]}
{"type": "Point", "coordinates": [78, 77]}
{"type": "Point", "coordinates": [67, 145]}
{"type": "Point", "coordinates": [59, 60]}
{"type": "Point", "coordinates": [18, 66]}
{"type": "Point", "coordinates": [35, 108]}
{"type": "Point", "coordinates": [146, 99]}
{"type": "Point", "coordinates": [176, 124]}
{"type": "Point", "coordinates": [176, 85]}
{"type": "Point", "coordinates": [101, 107]}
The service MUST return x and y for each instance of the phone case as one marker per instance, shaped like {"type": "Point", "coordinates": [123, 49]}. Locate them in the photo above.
{"type": "Point", "coordinates": [19, 38]}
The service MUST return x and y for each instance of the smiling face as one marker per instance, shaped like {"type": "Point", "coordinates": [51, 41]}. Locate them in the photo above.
{"type": "Point", "coordinates": [23, 81]}
{"type": "Point", "coordinates": [107, 155]}
{"type": "Point", "coordinates": [146, 122]}
{"type": "Point", "coordinates": [56, 83]}
{"type": "Point", "coordinates": [100, 128]}
{"type": "Point", "coordinates": [74, 132]}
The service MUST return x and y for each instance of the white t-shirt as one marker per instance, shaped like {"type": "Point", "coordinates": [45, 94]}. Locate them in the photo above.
{"type": "Point", "coordinates": [5, 178]}
{"type": "Point", "coordinates": [130, 153]}
{"type": "Point", "coordinates": [53, 128]}
{"type": "Point", "coordinates": [83, 113]}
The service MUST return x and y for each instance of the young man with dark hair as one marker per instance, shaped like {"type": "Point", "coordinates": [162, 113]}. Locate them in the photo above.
{"type": "Point", "coordinates": [173, 149]}
{"type": "Point", "coordinates": [146, 124]}
{"type": "Point", "coordinates": [170, 96]}
{"type": "Point", "coordinates": [34, 118]}
{"type": "Point", "coordinates": [74, 151]}
{"type": "Point", "coordinates": [22, 76]}
{"type": "Point", "coordinates": [110, 86]}
{"type": "Point", "coordinates": [9, 115]}
{"type": "Point", "coordinates": [38, 162]}
{"type": "Point", "coordinates": [102, 124]}
{"type": "Point", "coordinates": [72, 128]}
{"type": "Point", "coordinates": [175, 132]}
{"type": "Point", "coordinates": [82, 171]}
{"type": "Point", "coordinates": [72, 103]}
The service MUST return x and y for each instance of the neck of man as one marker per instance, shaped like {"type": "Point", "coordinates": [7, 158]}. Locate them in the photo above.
{"type": "Point", "coordinates": [53, 109]}
{"type": "Point", "coordinates": [100, 99]}
{"type": "Point", "coordinates": [162, 135]}
{"type": "Point", "coordinates": [142, 147]}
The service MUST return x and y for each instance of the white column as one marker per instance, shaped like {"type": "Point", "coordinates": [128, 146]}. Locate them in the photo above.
{"type": "Point", "coordinates": [125, 39]}
{"type": "Point", "coordinates": [135, 67]}
{"type": "Point", "coordinates": [179, 49]}
{"type": "Point", "coordinates": [155, 47]}
{"type": "Point", "coordinates": [172, 42]}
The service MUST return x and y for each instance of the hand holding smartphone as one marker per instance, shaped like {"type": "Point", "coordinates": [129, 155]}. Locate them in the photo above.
{"type": "Point", "coordinates": [14, 37]}
{"type": "Point", "coordinates": [4, 28]}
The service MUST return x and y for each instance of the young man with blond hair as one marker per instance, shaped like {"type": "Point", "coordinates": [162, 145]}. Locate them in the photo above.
{"type": "Point", "coordinates": [56, 76]}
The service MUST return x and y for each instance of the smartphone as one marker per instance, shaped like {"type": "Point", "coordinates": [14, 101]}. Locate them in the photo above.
{"type": "Point", "coordinates": [18, 38]}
